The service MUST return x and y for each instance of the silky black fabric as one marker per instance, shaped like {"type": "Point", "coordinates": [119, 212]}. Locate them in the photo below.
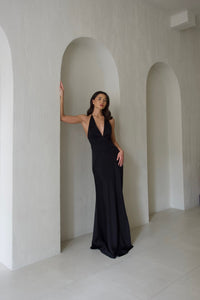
{"type": "Point", "coordinates": [111, 232]}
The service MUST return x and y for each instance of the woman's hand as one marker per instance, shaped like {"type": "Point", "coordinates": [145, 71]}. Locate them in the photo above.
{"type": "Point", "coordinates": [61, 89]}
{"type": "Point", "coordinates": [120, 157]}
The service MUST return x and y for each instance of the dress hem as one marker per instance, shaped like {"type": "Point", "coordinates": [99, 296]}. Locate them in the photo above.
{"type": "Point", "coordinates": [120, 253]}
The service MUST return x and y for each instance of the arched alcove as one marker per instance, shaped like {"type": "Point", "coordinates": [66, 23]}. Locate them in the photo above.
{"type": "Point", "coordinates": [6, 150]}
{"type": "Point", "coordinates": [164, 139]}
{"type": "Point", "coordinates": [87, 66]}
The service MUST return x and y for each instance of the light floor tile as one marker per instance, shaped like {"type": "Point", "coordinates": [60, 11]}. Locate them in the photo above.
{"type": "Point", "coordinates": [163, 264]}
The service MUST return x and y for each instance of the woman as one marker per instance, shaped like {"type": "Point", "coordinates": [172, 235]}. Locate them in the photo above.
{"type": "Point", "coordinates": [111, 232]}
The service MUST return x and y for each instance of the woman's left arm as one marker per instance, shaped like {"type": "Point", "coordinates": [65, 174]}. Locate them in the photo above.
{"type": "Point", "coordinates": [120, 155]}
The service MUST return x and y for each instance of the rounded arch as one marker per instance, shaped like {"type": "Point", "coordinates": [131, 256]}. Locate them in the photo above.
{"type": "Point", "coordinates": [6, 150]}
{"type": "Point", "coordinates": [87, 66]}
{"type": "Point", "coordinates": [164, 139]}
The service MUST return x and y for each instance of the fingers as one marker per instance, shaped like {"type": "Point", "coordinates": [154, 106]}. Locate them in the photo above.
{"type": "Point", "coordinates": [61, 85]}
{"type": "Point", "coordinates": [120, 162]}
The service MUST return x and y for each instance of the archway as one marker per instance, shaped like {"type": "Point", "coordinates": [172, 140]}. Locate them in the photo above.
{"type": "Point", "coordinates": [87, 66]}
{"type": "Point", "coordinates": [164, 139]}
{"type": "Point", "coordinates": [6, 150]}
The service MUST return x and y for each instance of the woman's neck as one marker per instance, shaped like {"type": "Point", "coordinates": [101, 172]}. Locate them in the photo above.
{"type": "Point", "coordinates": [97, 113]}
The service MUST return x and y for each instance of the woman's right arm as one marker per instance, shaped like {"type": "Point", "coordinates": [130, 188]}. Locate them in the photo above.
{"type": "Point", "coordinates": [72, 119]}
{"type": "Point", "coordinates": [68, 118]}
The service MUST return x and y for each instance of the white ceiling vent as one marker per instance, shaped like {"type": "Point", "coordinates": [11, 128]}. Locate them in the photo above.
{"type": "Point", "coordinates": [183, 20]}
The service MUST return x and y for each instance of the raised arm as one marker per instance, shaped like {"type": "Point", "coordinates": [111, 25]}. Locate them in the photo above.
{"type": "Point", "coordinates": [68, 118]}
{"type": "Point", "coordinates": [72, 119]}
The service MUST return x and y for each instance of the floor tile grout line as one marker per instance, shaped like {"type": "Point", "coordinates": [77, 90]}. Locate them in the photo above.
{"type": "Point", "coordinates": [174, 281]}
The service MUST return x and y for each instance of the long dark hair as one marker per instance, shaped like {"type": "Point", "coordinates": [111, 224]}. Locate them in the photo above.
{"type": "Point", "coordinates": [106, 112]}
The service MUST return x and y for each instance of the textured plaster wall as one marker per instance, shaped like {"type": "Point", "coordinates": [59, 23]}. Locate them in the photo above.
{"type": "Point", "coordinates": [6, 151]}
{"type": "Point", "coordinates": [164, 139]}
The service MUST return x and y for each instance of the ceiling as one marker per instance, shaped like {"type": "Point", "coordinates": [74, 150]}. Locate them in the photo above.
{"type": "Point", "coordinates": [174, 6]}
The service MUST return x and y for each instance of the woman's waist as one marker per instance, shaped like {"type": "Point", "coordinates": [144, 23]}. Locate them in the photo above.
{"type": "Point", "coordinates": [104, 147]}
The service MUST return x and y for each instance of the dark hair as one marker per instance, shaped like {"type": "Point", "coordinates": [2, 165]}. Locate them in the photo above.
{"type": "Point", "coordinates": [106, 112]}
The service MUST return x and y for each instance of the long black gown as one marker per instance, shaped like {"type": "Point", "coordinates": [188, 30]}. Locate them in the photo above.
{"type": "Point", "coordinates": [111, 232]}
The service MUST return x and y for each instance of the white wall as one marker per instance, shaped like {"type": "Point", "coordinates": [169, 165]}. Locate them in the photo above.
{"type": "Point", "coordinates": [189, 86]}
{"type": "Point", "coordinates": [157, 140]}
{"type": "Point", "coordinates": [175, 143]}
{"type": "Point", "coordinates": [137, 36]}
{"type": "Point", "coordinates": [6, 151]}
{"type": "Point", "coordinates": [164, 139]}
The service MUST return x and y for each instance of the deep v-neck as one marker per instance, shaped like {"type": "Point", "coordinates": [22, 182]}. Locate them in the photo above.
{"type": "Point", "coordinates": [98, 128]}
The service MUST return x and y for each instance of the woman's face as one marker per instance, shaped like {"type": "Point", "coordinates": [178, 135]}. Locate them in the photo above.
{"type": "Point", "coordinates": [100, 101]}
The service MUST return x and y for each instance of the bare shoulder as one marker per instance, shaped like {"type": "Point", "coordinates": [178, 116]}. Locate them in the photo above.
{"type": "Point", "coordinates": [84, 118]}
{"type": "Point", "coordinates": [112, 121]}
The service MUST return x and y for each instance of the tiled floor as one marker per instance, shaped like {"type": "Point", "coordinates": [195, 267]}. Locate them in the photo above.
{"type": "Point", "coordinates": [164, 264]}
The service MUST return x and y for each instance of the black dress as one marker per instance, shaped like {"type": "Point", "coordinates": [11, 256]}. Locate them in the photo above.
{"type": "Point", "coordinates": [111, 232]}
